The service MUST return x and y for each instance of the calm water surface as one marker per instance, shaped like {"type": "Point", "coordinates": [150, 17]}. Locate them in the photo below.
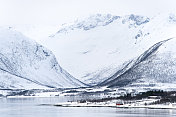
{"type": "Point", "coordinates": [30, 107]}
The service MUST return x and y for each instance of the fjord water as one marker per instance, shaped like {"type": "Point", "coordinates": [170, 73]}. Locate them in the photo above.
{"type": "Point", "coordinates": [31, 107]}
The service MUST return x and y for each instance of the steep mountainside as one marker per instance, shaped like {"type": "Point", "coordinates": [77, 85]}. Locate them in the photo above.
{"type": "Point", "coordinates": [154, 68]}
{"type": "Point", "coordinates": [95, 48]}
{"type": "Point", "coordinates": [26, 64]}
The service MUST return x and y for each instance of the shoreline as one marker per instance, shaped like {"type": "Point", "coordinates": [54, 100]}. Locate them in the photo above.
{"type": "Point", "coordinates": [76, 104]}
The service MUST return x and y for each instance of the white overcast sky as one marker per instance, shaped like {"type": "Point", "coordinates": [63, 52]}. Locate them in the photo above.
{"type": "Point", "coordinates": [61, 11]}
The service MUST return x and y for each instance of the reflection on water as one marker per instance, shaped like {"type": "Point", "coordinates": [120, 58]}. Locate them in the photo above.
{"type": "Point", "coordinates": [30, 107]}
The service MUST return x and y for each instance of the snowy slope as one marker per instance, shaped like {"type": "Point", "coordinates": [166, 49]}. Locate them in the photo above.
{"type": "Point", "coordinates": [155, 66]}
{"type": "Point", "coordinates": [95, 48]}
{"type": "Point", "coordinates": [26, 64]}
{"type": "Point", "coordinates": [35, 32]}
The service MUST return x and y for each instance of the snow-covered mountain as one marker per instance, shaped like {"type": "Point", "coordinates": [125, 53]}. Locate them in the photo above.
{"type": "Point", "coordinates": [88, 24]}
{"type": "Point", "coordinates": [154, 68]}
{"type": "Point", "coordinates": [26, 64]}
{"type": "Point", "coordinates": [95, 48]}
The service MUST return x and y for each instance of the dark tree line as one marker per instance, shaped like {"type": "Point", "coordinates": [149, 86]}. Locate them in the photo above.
{"type": "Point", "coordinates": [164, 97]}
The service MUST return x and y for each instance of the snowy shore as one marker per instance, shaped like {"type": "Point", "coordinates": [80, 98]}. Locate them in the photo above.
{"type": "Point", "coordinates": [105, 104]}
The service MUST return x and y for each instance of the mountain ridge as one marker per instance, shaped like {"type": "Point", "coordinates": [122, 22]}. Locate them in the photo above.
{"type": "Point", "coordinates": [114, 79]}
{"type": "Point", "coordinates": [99, 52]}
{"type": "Point", "coordinates": [23, 60]}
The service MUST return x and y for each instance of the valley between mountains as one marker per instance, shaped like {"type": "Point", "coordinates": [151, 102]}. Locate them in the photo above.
{"type": "Point", "coordinates": [102, 50]}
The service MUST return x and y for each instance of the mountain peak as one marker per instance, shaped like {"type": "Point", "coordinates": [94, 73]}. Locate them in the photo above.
{"type": "Point", "coordinates": [135, 20]}
{"type": "Point", "coordinates": [88, 23]}
{"type": "Point", "coordinates": [98, 20]}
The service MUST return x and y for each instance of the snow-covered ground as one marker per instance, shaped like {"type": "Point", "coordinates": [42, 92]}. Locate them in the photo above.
{"type": "Point", "coordinates": [144, 103]}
